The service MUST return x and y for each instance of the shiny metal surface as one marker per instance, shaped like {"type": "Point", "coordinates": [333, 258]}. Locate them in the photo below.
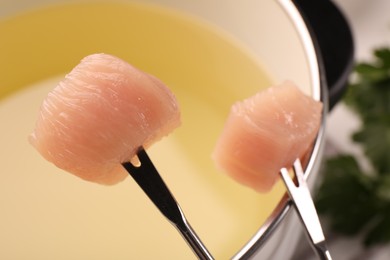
{"type": "Point", "coordinates": [148, 178]}
{"type": "Point", "coordinates": [255, 247]}
{"type": "Point", "coordinates": [300, 194]}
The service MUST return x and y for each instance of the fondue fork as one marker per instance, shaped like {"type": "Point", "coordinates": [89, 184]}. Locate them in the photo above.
{"type": "Point", "coordinates": [300, 195]}
{"type": "Point", "coordinates": [148, 178]}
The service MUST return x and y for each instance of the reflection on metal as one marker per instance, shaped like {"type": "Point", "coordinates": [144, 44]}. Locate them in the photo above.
{"type": "Point", "coordinates": [319, 92]}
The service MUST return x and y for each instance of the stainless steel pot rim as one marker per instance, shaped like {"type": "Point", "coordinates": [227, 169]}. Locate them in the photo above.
{"type": "Point", "coordinates": [319, 92]}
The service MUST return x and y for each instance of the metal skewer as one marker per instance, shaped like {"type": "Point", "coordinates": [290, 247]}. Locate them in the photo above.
{"type": "Point", "coordinates": [148, 178]}
{"type": "Point", "coordinates": [303, 203]}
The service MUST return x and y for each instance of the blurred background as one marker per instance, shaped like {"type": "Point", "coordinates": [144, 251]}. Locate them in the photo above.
{"type": "Point", "coordinates": [370, 23]}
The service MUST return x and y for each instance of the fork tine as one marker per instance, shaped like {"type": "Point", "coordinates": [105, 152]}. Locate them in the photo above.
{"type": "Point", "coordinates": [287, 179]}
{"type": "Point", "coordinates": [299, 173]}
{"type": "Point", "coordinates": [304, 205]}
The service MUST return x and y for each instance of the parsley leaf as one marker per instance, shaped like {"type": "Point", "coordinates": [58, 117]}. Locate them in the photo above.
{"type": "Point", "coordinates": [356, 201]}
{"type": "Point", "coordinates": [375, 137]}
{"type": "Point", "coordinates": [370, 98]}
{"type": "Point", "coordinates": [346, 195]}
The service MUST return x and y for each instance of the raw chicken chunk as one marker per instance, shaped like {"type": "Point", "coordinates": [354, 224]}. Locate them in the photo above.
{"type": "Point", "coordinates": [100, 115]}
{"type": "Point", "coordinates": [266, 132]}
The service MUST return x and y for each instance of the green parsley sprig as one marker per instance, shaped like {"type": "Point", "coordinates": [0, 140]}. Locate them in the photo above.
{"type": "Point", "coordinates": [353, 200]}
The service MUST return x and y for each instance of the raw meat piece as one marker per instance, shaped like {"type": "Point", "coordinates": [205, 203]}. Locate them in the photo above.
{"type": "Point", "coordinates": [266, 132]}
{"type": "Point", "coordinates": [100, 115]}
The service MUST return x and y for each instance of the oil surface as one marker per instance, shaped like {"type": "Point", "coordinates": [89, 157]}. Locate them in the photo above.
{"type": "Point", "coordinates": [48, 214]}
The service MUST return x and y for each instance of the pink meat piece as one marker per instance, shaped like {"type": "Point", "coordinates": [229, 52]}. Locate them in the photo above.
{"type": "Point", "coordinates": [100, 115]}
{"type": "Point", "coordinates": [266, 132]}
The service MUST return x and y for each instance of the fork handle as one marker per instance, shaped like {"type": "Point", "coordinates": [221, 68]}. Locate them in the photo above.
{"type": "Point", "coordinates": [148, 178]}
{"type": "Point", "coordinates": [322, 251]}
{"type": "Point", "coordinates": [303, 203]}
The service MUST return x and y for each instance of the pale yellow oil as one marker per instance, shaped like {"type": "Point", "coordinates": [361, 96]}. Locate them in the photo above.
{"type": "Point", "coordinates": [49, 214]}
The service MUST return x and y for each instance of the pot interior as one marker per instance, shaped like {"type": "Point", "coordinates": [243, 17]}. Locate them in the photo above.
{"type": "Point", "coordinates": [209, 53]}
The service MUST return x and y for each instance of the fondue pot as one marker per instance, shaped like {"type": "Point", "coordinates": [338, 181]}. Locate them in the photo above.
{"type": "Point", "coordinates": [241, 45]}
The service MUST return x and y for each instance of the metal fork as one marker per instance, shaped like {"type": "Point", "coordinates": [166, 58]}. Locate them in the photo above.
{"type": "Point", "coordinates": [300, 195]}
{"type": "Point", "coordinates": [148, 178]}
